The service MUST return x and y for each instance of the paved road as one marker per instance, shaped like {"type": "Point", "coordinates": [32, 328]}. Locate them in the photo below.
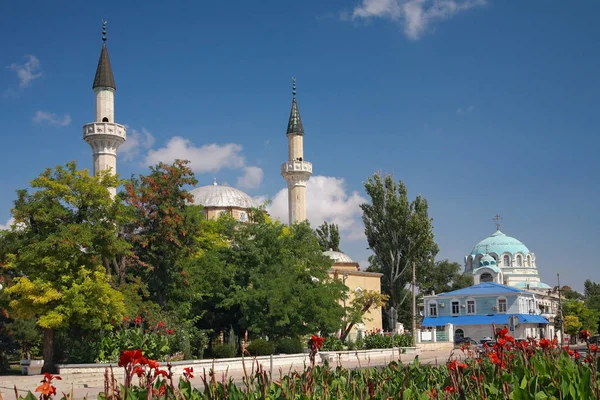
{"type": "Point", "coordinates": [28, 383]}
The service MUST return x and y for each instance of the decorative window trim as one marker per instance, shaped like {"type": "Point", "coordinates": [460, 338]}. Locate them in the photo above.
{"type": "Point", "coordinates": [432, 304]}
{"type": "Point", "coordinates": [504, 258]}
{"type": "Point", "coordinates": [469, 300]}
{"type": "Point", "coordinates": [498, 300]}
{"type": "Point", "coordinates": [454, 302]}
{"type": "Point", "coordinates": [519, 260]}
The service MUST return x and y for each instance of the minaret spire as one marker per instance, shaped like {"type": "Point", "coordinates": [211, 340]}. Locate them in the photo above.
{"type": "Point", "coordinates": [104, 136]}
{"type": "Point", "coordinates": [296, 171]}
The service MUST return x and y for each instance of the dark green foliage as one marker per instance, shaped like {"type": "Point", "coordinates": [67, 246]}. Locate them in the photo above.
{"type": "Point", "coordinates": [260, 347]}
{"type": "Point", "coordinates": [224, 350]}
{"type": "Point", "coordinates": [378, 341]}
{"type": "Point", "coordinates": [329, 237]}
{"type": "Point", "coordinates": [332, 343]}
{"type": "Point", "coordinates": [289, 346]}
{"type": "Point", "coordinates": [443, 276]}
{"type": "Point", "coordinates": [400, 233]}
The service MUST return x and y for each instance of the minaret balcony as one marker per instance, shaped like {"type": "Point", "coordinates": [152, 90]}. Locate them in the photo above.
{"type": "Point", "coordinates": [296, 166]}
{"type": "Point", "coordinates": [104, 129]}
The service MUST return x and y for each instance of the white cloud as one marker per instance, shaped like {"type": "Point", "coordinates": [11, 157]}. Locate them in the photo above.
{"type": "Point", "coordinates": [206, 158]}
{"type": "Point", "coordinates": [326, 200]}
{"type": "Point", "coordinates": [251, 179]}
{"type": "Point", "coordinates": [5, 227]}
{"type": "Point", "coordinates": [465, 110]}
{"type": "Point", "coordinates": [27, 72]}
{"type": "Point", "coordinates": [137, 141]}
{"type": "Point", "coordinates": [416, 16]}
{"type": "Point", "coordinates": [51, 119]}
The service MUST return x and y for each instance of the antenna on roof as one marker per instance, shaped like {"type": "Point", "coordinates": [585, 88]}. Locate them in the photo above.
{"type": "Point", "coordinates": [497, 218]}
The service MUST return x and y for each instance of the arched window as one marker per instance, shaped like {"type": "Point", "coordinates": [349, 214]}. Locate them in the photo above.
{"type": "Point", "coordinates": [506, 261]}
{"type": "Point", "coordinates": [528, 260]}
{"type": "Point", "coordinates": [486, 277]}
{"type": "Point", "coordinates": [519, 261]}
{"type": "Point", "coordinates": [358, 292]}
{"type": "Point", "coordinates": [459, 333]}
{"type": "Point", "coordinates": [104, 119]}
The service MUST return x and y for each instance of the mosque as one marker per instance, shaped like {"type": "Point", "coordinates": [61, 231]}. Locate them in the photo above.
{"type": "Point", "coordinates": [105, 136]}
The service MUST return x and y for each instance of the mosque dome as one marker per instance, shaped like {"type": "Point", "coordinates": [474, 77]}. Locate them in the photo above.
{"type": "Point", "coordinates": [498, 244]}
{"type": "Point", "coordinates": [221, 196]}
{"type": "Point", "coordinates": [487, 260]}
{"type": "Point", "coordinates": [338, 257]}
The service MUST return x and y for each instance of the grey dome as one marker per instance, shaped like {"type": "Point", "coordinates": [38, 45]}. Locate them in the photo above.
{"type": "Point", "coordinates": [338, 257]}
{"type": "Point", "coordinates": [221, 196]}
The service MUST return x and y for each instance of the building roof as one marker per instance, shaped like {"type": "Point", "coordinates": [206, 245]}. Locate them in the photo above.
{"type": "Point", "coordinates": [338, 257]}
{"type": "Point", "coordinates": [221, 197]}
{"type": "Point", "coordinates": [482, 288]}
{"type": "Point", "coordinates": [104, 75]}
{"type": "Point", "coordinates": [532, 285]}
{"type": "Point", "coordinates": [295, 126]}
{"type": "Point", "coordinates": [499, 243]}
{"type": "Point", "coordinates": [482, 319]}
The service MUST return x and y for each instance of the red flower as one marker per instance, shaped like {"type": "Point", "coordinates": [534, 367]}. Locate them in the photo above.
{"type": "Point", "coordinates": [449, 389]}
{"type": "Point", "coordinates": [138, 320]}
{"type": "Point", "coordinates": [49, 377]}
{"type": "Point", "coordinates": [577, 355]}
{"type": "Point", "coordinates": [125, 319]}
{"type": "Point", "coordinates": [161, 324]}
{"type": "Point", "coordinates": [455, 365]}
{"type": "Point", "coordinates": [170, 332]}
{"type": "Point", "coordinates": [46, 389]}
{"type": "Point", "coordinates": [502, 332]}
{"type": "Point", "coordinates": [188, 372]}
{"type": "Point", "coordinates": [139, 371]}
{"type": "Point", "coordinates": [161, 372]}
{"type": "Point", "coordinates": [130, 357]}
{"type": "Point", "coordinates": [501, 341]}
{"type": "Point", "coordinates": [545, 343]}
{"type": "Point", "coordinates": [317, 341]}
{"type": "Point", "coordinates": [431, 394]}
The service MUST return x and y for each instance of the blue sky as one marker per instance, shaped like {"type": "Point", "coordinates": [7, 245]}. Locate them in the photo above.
{"type": "Point", "coordinates": [483, 107]}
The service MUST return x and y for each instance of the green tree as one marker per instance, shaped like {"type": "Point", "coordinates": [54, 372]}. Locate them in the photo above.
{"type": "Point", "coordinates": [280, 282]}
{"type": "Point", "coordinates": [329, 236]}
{"type": "Point", "coordinates": [400, 233]}
{"type": "Point", "coordinates": [443, 276]}
{"type": "Point", "coordinates": [66, 227]}
{"type": "Point", "coordinates": [359, 307]}
{"type": "Point", "coordinates": [165, 227]}
{"type": "Point", "coordinates": [587, 316]}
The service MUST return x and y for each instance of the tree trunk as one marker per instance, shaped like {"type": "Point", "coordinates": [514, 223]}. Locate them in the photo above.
{"type": "Point", "coordinates": [48, 350]}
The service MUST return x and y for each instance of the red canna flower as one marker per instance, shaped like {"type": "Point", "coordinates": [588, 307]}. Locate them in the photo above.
{"type": "Point", "coordinates": [188, 372]}
{"type": "Point", "coordinates": [130, 357]}
{"type": "Point", "coordinates": [46, 389]}
{"type": "Point", "coordinates": [545, 343]}
{"type": "Point", "coordinates": [455, 365]}
{"type": "Point", "coordinates": [170, 332]}
{"type": "Point", "coordinates": [431, 394]}
{"type": "Point", "coordinates": [125, 319]}
{"type": "Point", "coordinates": [138, 320]}
{"type": "Point", "coordinates": [449, 389]}
{"type": "Point", "coordinates": [139, 371]}
{"type": "Point", "coordinates": [161, 324]}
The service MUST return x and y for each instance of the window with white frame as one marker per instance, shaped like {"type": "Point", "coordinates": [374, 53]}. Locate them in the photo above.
{"type": "Point", "coordinates": [432, 309]}
{"type": "Point", "coordinates": [519, 261]}
{"type": "Point", "coordinates": [486, 277]}
{"type": "Point", "coordinates": [502, 305]}
{"type": "Point", "coordinates": [243, 216]}
{"type": "Point", "coordinates": [470, 306]}
{"type": "Point", "coordinates": [455, 307]}
{"type": "Point", "coordinates": [506, 261]}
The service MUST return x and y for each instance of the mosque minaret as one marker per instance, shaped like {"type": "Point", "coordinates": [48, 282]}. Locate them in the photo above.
{"type": "Point", "coordinates": [104, 135]}
{"type": "Point", "coordinates": [296, 171]}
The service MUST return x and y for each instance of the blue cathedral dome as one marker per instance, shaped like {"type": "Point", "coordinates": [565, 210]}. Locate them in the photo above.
{"type": "Point", "coordinates": [499, 243]}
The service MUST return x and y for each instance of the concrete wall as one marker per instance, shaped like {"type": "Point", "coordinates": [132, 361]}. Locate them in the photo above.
{"type": "Point", "coordinates": [432, 346]}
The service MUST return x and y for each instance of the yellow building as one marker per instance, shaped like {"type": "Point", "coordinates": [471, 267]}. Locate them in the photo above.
{"type": "Point", "coordinates": [356, 281]}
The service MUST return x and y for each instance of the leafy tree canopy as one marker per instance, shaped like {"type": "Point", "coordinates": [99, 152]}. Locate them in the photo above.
{"type": "Point", "coordinates": [399, 232]}
{"type": "Point", "coordinates": [66, 229]}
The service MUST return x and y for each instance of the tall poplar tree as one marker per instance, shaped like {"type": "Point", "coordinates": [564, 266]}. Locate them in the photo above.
{"type": "Point", "coordinates": [400, 233]}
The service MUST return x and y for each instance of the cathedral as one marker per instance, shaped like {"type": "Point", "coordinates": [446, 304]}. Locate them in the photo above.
{"type": "Point", "coordinates": [105, 136]}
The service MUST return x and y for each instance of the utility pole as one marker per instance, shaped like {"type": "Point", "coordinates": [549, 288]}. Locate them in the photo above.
{"type": "Point", "coordinates": [560, 314]}
{"type": "Point", "coordinates": [414, 304]}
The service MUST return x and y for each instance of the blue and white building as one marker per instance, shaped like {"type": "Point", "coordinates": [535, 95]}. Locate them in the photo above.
{"type": "Point", "coordinates": [507, 292]}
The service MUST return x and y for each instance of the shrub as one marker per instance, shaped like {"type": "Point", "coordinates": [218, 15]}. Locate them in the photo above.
{"type": "Point", "coordinates": [332, 344]}
{"type": "Point", "coordinates": [224, 350]}
{"type": "Point", "coordinates": [260, 347]}
{"type": "Point", "coordinates": [289, 346]}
